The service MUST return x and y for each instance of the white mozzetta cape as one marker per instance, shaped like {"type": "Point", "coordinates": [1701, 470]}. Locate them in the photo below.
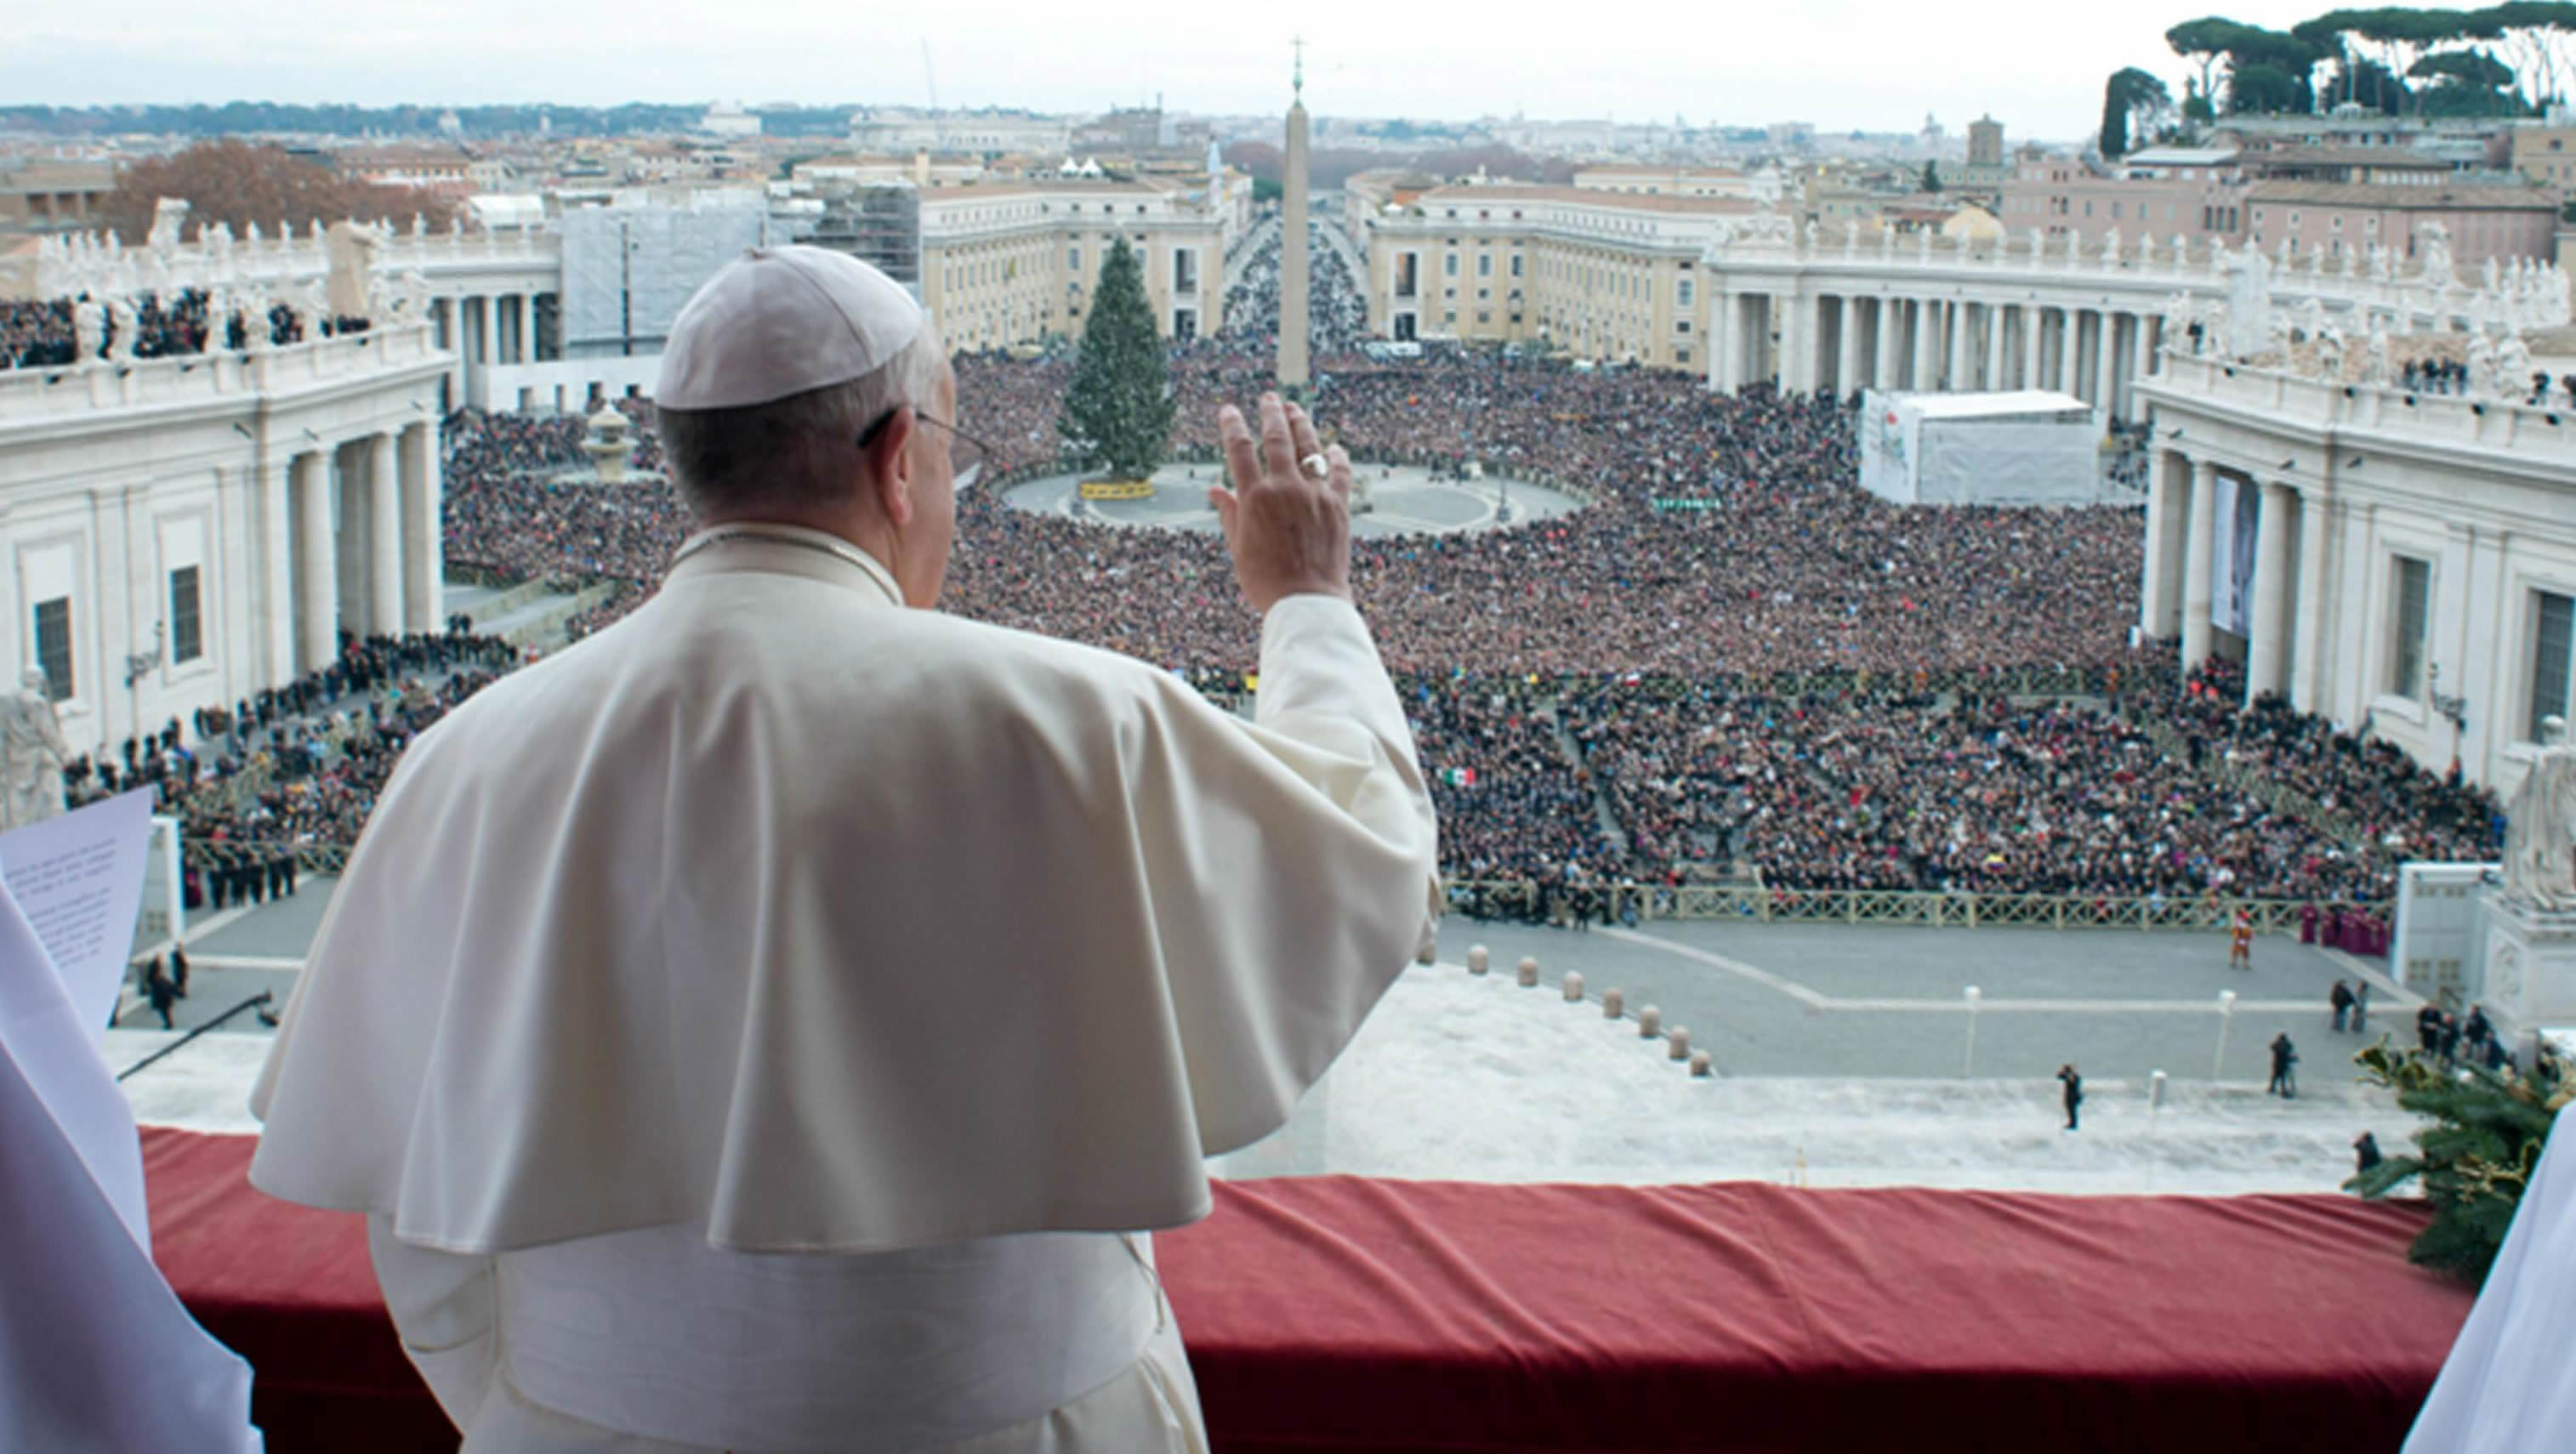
{"type": "Point", "coordinates": [828, 925]}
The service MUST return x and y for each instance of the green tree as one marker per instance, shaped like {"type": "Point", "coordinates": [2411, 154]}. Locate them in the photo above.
{"type": "Point", "coordinates": [2476, 1158]}
{"type": "Point", "coordinates": [2202, 42]}
{"type": "Point", "coordinates": [1931, 178]}
{"type": "Point", "coordinates": [1118, 410]}
{"type": "Point", "coordinates": [2465, 83]}
{"type": "Point", "coordinates": [2132, 101]}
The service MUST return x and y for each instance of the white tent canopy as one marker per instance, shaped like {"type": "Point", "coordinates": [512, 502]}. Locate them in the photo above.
{"type": "Point", "coordinates": [2026, 447]}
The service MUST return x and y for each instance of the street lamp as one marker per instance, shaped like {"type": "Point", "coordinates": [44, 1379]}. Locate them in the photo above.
{"type": "Point", "coordinates": [141, 664]}
{"type": "Point", "coordinates": [2226, 1015]}
{"type": "Point", "coordinates": [138, 665]}
{"type": "Point", "coordinates": [2454, 708]}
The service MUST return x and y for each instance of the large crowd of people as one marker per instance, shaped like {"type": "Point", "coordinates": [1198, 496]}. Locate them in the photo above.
{"type": "Point", "coordinates": [1336, 315]}
{"type": "Point", "coordinates": [46, 334]}
{"type": "Point", "coordinates": [296, 767]}
{"type": "Point", "coordinates": [1731, 663]}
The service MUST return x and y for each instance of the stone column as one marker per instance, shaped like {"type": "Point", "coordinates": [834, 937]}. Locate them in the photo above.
{"type": "Point", "coordinates": [423, 568]}
{"type": "Point", "coordinates": [1847, 358]}
{"type": "Point", "coordinates": [2160, 593]}
{"type": "Point", "coordinates": [276, 595]}
{"type": "Point", "coordinates": [1927, 316]}
{"type": "Point", "coordinates": [2106, 387]}
{"type": "Point", "coordinates": [2198, 541]}
{"type": "Point", "coordinates": [451, 320]}
{"type": "Point", "coordinates": [384, 537]}
{"type": "Point", "coordinates": [2066, 353]}
{"type": "Point", "coordinates": [1887, 340]}
{"type": "Point", "coordinates": [528, 350]}
{"type": "Point", "coordinates": [2267, 653]}
{"type": "Point", "coordinates": [2312, 634]}
{"type": "Point", "coordinates": [1791, 322]}
{"type": "Point", "coordinates": [1995, 318]}
{"type": "Point", "coordinates": [1957, 323]}
{"type": "Point", "coordinates": [1730, 344]}
{"type": "Point", "coordinates": [2030, 319]}
{"type": "Point", "coordinates": [317, 596]}
{"type": "Point", "coordinates": [2133, 365]}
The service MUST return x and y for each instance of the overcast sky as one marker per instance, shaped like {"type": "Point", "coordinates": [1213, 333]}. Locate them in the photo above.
{"type": "Point", "coordinates": [2037, 65]}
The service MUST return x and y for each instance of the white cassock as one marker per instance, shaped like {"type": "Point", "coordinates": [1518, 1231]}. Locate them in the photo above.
{"type": "Point", "coordinates": [778, 919]}
{"type": "Point", "coordinates": [2509, 1386]}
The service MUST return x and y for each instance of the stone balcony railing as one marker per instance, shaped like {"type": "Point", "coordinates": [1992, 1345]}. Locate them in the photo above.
{"type": "Point", "coordinates": [42, 393]}
{"type": "Point", "coordinates": [2325, 404]}
{"type": "Point", "coordinates": [2411, 295]}
{"type": "Point", "coordinates": [69, 265]}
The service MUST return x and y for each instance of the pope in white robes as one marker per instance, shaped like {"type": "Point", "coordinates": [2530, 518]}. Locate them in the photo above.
{"type": "Point", "coordinates": [776, 1022]}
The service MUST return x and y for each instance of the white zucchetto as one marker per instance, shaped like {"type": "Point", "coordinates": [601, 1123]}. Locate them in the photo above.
{"type": "Point", "coordinates": [779, 321]}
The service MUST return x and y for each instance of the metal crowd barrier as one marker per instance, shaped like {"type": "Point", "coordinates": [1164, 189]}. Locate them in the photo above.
{"type": "Point", "coordinates": [1523, 898]}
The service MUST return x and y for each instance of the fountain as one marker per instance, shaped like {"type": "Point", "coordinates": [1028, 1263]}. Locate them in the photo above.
{"type": "Point", "coordinates": [611, 451]}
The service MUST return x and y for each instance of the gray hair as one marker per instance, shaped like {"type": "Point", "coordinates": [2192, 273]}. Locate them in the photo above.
{"type": "Point", "coordinates": [791, 451]}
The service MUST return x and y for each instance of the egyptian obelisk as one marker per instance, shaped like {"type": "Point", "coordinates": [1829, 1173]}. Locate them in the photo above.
{"type": "Point", "coordinates": [1292, 244]}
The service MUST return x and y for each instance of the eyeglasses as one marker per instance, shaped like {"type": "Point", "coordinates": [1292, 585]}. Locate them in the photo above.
{"type": "Point", "coordinates": [966, 453]}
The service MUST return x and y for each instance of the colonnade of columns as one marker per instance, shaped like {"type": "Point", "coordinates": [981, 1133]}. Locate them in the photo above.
{"type": "Point", "coordinates": [2287, 625]}
{"type": "Point", "coordinates": [353, 545]}
{"type": "Point", "coordinates": [487, 329]}
{"type": "Point", "coordinates": [1803, 341]}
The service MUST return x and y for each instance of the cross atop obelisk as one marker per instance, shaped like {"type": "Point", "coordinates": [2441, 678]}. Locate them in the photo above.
{"type": "Point", "coordinates": [1292, 239]}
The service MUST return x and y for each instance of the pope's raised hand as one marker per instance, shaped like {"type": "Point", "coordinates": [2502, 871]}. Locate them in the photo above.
{"type": "Point", "coordinates": [1288, 528]}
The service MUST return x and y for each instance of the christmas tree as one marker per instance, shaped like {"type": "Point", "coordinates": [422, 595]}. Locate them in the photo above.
{"type": "Point", "coordinates": [2477, 1157]}
{"type": "Point", "coordinates": [1118, 411]}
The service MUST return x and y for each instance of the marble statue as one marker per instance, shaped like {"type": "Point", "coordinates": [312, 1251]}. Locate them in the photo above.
{"type": "Point", "coordinates": [2111, 249]}
{"type": "Point", "coordinates": [2330, 355]}
{"type": "Point", "coordinates": [2540, 828]}
{"type": "Point", "coordinates": [2289, 253]}
{"type": "Point", "coordinates": [32, 754]}
{"type": "Point", "coordinates": [2213, 331]}
{"type": "Point", "coordinates": [2437, 255]}
{"type": "Point", "coordinates": [412, 295]}
{"type": "Point", "coordinates": [310, 303]}
{"type": "Point", "coordinates": [419, 226]}
{"type": "Point", "coordinates": [1923, 243]}
{"type": "Point", "coordinates": [219, 317]}
{"type": "Point", "coordinates": [250, 235]}
{"type": "Point", "coordinates": [1812, 232]}
{"type": "Point", "coordinates": [2181, 251]}
{"type": "Point", "coordinates": [2276, 334]}
{"type": "Point", "coordinates": [2482, 367]}
{"type": "Point", "coordinates": [349, 292]}
{"type": "Point", "coordinates": [1851, 238]}
{"type": "Point", "coordinates": [2513, 365]}
{"type": "Point", "coordinates": [258, 327]}
{"type": "Point", "coordinates": [89, 331]}
{"type": "Point", "coordinates": [169, 215]}
{"type": "Point", "coordinates": [2489, 275]}
{"type": "Point", "coordinates": [2379, 365]}
{"type": "Point", "coordinates": [128, 330]}
{"type": "Point", "coordinates": [2177, 333]}
{"type": "Point", "coordinates": [1886, 241]}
